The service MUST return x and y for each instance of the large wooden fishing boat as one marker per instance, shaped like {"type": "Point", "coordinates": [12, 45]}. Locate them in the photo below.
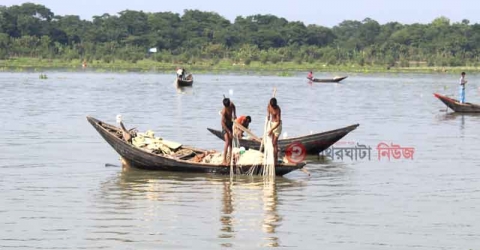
{"type": "Point", "coordinates": [183, 160]}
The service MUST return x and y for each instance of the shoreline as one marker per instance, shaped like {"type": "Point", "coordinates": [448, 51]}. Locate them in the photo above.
{"type": "Point", "coordinates": [285, 69]}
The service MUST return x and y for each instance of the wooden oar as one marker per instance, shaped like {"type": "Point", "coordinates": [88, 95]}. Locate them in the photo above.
{"type": "Point", "coordinates": [111, 165]}
{"type": "Point", "coordinates": [305, 171]}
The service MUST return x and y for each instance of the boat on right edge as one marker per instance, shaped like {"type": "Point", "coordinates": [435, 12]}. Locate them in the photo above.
{"type": "Point", "coordinates": [458, 107]}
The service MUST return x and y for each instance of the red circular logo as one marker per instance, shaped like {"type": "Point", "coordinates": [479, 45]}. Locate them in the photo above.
{"type": "Point", "coordinates": [295, 152]}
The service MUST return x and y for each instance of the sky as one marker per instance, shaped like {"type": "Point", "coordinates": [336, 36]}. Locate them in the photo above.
{"type": "Point", "coordinates": [320, 12]}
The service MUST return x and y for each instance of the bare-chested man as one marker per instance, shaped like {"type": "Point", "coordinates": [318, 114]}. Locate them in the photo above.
{"type": "Point", "coordinates": [275, 116]}
{"type": "Point", "coordinates": [229, 114]}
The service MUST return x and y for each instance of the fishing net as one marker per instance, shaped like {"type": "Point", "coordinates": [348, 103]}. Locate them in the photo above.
{"type": "Point", "coordinates": [268, 155]}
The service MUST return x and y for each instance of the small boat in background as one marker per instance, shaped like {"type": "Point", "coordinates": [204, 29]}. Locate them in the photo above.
{"type": "Point", "coordinates": [188, 81]}
{"type": "Point", "coordinates": [456, 106]}
{"type": "Point", "coordinates": [335, 79]}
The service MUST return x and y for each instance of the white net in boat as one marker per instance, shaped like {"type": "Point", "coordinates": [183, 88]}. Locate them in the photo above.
{"type": "Point", "coordinates": [249, 157]}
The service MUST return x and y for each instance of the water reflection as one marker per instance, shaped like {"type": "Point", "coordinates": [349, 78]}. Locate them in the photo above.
{"type": "Point", "coordinates": [447, 116]}
{"type": "Point", "coordinates": [461, 120]}
{"type": "Point", "coordinates": [460, 116]}
{"type": "Point", "coordinates": [227, 210]}
{"type": "Point", "coordinates": [184, 90]}
{"type": "Point", "coordinates": [317, 159]}
{"type": "Point", "coordinates": [240, 197]}
{"type": "Point", "coordinates": [268, 196]}
{"type": "Point", "coordinates": [271, 216]}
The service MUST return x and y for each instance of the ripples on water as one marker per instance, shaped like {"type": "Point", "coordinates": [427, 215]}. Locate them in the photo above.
{"type": "Point", "coordinates": [58, 194]}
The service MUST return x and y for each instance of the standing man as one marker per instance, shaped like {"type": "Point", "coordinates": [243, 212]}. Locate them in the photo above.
{"type": "Point", "coordinates": [275, 117]}
{"type": "Point", "coordinates": [229, 114]}
{"type": "Point", "coordinates": [462, 88]}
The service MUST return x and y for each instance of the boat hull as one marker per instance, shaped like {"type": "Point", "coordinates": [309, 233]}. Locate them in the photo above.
{"type": "Point", "coordinates": [185, 83]}
{"type": "Point", "coordinates": [327, 80]}
{"type": "Point", "coordinates": [458, 107]}
{"type": "Point", "coordinates": [313, 144]}
{"type": "Point", "coordinates": [137, 158]}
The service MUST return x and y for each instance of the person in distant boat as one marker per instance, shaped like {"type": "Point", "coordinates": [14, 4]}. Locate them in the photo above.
{"type": "Point", "coordinates": [275, 117]}
{"type": "Point", "coordinates": [181, 73]}
{"type": "Point", "coordinates": [229, 114]}
{"type": "Point", "coordinates": [463, 81]}
{"type": "Point", "coordinates": [310, 75]}
{"type": "Point", "coordinates": [244, 121]}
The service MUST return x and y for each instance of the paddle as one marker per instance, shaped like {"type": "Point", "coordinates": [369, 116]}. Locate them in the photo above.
{"type": "Point", "coordinates": [111, 165]}
{"type": "Point", "coordinates": [305, 171]}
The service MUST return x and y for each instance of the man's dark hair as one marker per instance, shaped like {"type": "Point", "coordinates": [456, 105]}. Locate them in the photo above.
{"type": "Point", "coordinates": [273, 102]}
{"type": "Point", "coordinates": [463, 73]}
{"type": "Point", "coordinates": [226, 102]}
{"type": "Point", "coordinates": [249, 119]}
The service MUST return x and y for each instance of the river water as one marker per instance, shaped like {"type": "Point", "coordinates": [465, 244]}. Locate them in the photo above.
{"type": "Point", "coordinates": [57, 192]}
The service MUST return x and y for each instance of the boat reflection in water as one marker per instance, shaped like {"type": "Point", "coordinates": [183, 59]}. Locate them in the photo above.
{"type": "Point", "coordinates": [474, 118]}
{"type": "Point", "coordinates": [184, 90]}
{"type": "Point", "coordinates": [246, 207]}
{"type": "Point", "coordinates": [266, 196]}
{"type": "Point", "coordinates": [271, 217]}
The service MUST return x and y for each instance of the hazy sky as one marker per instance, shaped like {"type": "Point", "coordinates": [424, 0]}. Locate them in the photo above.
{"type": "Point", "coordinates": [321, 12]}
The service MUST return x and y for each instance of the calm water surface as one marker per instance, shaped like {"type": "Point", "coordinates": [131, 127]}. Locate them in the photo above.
{"type": "Point", "coordinates": [58, 194]}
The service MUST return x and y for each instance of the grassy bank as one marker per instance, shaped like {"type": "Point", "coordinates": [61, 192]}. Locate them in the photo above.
{"type": "Point", "coordinates": [281, 68]}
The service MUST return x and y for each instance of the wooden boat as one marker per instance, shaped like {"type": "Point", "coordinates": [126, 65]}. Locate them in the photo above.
{"type": "Point", "coordinates": [314, 143]}
{"type": "Point", "coordinates": [456, 106]}
{"type": "Point", "coordinates": [185, 83]}
{"type": "Point", "coordinates": [142, 159]}
{"type": "Point", "coordinates": [335, 79]}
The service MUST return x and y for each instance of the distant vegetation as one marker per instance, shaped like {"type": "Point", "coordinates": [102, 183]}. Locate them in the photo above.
{"type": "Point", "coordinates": [196, 37]}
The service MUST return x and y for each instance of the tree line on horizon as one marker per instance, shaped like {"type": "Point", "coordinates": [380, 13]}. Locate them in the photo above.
{"type": "Point", "coordinates": [33, 30]}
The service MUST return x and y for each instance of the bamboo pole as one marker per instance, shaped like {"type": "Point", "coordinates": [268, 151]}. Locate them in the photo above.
{"type": "Point", "coordinates": [248, 131]}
